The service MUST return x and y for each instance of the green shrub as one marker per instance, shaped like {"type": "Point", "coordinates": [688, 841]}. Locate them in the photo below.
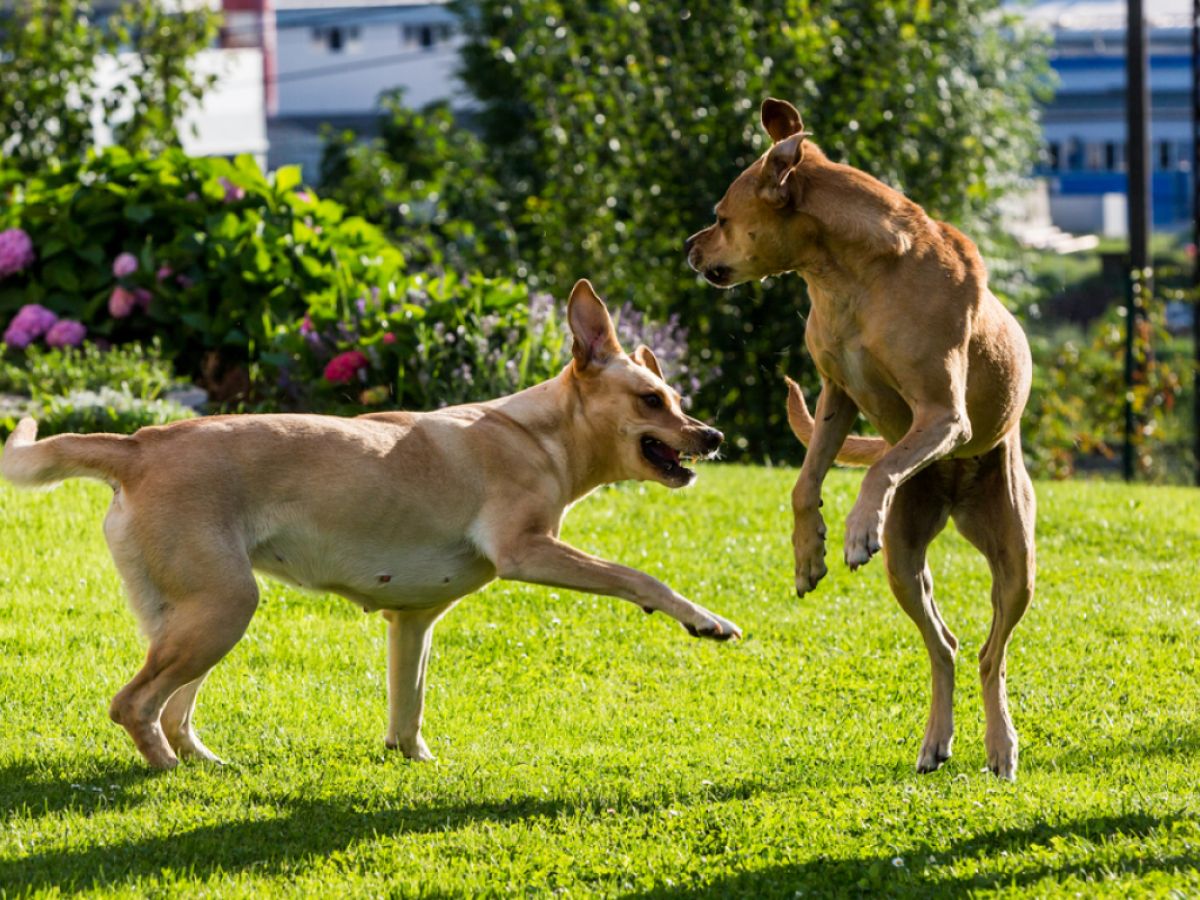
{"type": "Point", "coordinates": [222, 254]}
{"type": "Point", "coordinates": [87, 411]}
{"type": "Point", "coordinates": [427, 182]}
{"type": "Point", "coordinates": [139, 369]}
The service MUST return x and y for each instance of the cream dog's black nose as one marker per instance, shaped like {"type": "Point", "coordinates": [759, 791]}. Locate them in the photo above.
{"type": "Point", "coordinates": [712, 439]}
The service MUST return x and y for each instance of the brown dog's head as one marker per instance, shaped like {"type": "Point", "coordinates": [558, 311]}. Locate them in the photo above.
{"type": "Point", "coordinates": [629, 410]}
{"type": "Point", "coordinates": [754, 235]}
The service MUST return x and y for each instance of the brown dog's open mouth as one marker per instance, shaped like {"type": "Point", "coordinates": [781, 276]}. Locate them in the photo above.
{"type": "Point", "coordinates": [664, 457]}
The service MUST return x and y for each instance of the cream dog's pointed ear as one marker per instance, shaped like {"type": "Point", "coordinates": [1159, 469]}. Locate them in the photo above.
{"type": "Point", "coordinates": [778, 182]}
{"type": "Point", "coordinates": [595, 338]}
{"type": "Point", "coordinates": [644, 356]}
{"type": "Point", "coordinates": [780, 119]}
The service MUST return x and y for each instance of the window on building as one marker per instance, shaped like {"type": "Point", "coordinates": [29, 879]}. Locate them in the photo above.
{"type": "Point", "coordinates": [1183, 152]}
{"type": "Point", "coordinates": [1110, 156]}
{"type": "Point", "coordinates": [426, 35]}
{"type": "Point", "coordinates": [1052, 156]}
{"type": "Point", "coordinates": [1164, 155]}
{"type": "Point", "coordinates": [1093, 156]}
{"type": "Point", "coordinates": [338, 38]}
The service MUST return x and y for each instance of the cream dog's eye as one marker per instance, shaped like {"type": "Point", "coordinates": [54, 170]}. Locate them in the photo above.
{"type": "Point", "coordinates": [654, 401]}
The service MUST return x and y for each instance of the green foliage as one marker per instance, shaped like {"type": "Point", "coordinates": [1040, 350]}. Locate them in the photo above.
{"type": "Point", "coordinates": [41, 373]}
{"type": "Point", "coordinates": [425, 344]}
{"type": "Point", "coordinates": [427, 182]}
{"type": "Point", "coordinates": [48, 83]}
{"type": "Point", "coordinates": [586, 749]}
{"type": "Point", "coordinates": [225, 254]}
{"type": "Point", "coordinates": [87, 411]}
{"type": "Point", "coordinates": [88, 389]}
{"type": "Point", "coordinates": [1075, 419]}
{"type": "Point", "coordinates": [615, 126]}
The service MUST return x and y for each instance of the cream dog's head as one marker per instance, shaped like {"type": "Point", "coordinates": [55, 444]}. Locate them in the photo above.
{"type": "Point", "coordinates": [758, 225]}
{"type": "Point", "coordinates": [627, 405]}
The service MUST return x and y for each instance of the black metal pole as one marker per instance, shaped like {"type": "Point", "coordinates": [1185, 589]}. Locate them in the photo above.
{"type": "Point", "coordinates": [1137, 106]}
{"type": "Point", "coordinates": [1196, 233]}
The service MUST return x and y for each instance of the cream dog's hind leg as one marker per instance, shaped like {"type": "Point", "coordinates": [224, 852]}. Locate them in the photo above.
{"type": "Point", "coordinates": [178, 727]}
{"type": "Point", "coordinates": [409, 635]}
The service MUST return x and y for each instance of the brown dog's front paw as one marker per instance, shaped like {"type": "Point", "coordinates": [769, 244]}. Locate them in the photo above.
{"type": "Point", "coordinates": [808, 542]}
{"type": "Point", "coordinates": [713, 627]}
{"type": "Point", "coordinates": [864, 538]}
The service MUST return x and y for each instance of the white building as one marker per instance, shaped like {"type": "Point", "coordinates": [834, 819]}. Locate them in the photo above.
{"type": "Point", "coordinates": [333, 58]}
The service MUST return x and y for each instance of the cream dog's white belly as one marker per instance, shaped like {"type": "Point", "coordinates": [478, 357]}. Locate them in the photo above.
{"type": "Point", "coordinates": [375, 576]}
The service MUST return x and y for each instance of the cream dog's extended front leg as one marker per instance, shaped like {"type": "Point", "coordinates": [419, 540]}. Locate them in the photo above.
{"type": "Point", "coordinates": [542, 559]}
{"type": "Point", "coordinates": [935, 433]}
{"type": "Point", "coordinates": [410, 633]}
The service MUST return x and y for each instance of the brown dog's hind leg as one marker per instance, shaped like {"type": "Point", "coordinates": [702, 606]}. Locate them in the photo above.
{"type": "Point", "coordinates": [918, 513]}
{"type": "Point", "coordinates": [193, 633]}
{"type": "Point", "coordinates": [998, 518]}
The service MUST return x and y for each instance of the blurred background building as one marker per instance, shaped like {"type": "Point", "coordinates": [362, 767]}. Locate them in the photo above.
{"type": "Point", "coordinates": [1084, 163]}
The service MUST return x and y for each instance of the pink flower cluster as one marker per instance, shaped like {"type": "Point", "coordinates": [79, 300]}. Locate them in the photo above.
{"type": "Point", "coordinates": [123, 301]}
{"type": "Point", "coordinates": [16, 251]}
{"type": "Point", "coordinates": [33, 321]}
{"type": "Point", "coordinates": [343, 367]}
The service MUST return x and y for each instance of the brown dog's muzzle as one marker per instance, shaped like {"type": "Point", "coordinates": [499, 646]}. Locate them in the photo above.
{"type": "Point", "coordinates": [719, 276]}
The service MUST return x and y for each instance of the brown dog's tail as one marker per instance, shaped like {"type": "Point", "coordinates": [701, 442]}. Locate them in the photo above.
{"type": "Point", "coordinates": [856, 451]}
{"type": "Point", "coordinates": [28, 462]}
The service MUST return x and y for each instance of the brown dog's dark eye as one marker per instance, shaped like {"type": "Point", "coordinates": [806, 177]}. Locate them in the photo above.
{"type": "Point", "coordinates": [654, 401]}
{"type": "Point", "coordinates": [722, 221]}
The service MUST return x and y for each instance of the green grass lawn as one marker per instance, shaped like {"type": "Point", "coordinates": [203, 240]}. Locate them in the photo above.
{"type": "Point", "coordinates": [584, 747]}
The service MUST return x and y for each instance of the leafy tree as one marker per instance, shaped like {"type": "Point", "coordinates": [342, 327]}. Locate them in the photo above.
{"type": "Point", "coordinates": [615, 125]}
{"type": "Point", "coordinates": [427, 181]}
{"type": "Point", "coordinates": [48, 80]}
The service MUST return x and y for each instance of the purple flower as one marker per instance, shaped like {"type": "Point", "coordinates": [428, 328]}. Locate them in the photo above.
{"type": "Point", "coordinates": [66, 333]}
{"type": "Point", "coordinates": [306, 325]}
{"type": "Point", "coordinates": [124, 265]}
{"type": "Point", "coordinates": [361, 305]}
{"type": "Point", "coordinates": [142, 297]}
{"type": "Point", "coordinates": [16, 251]}
{"type": "Point", "coordinates": [29, 324]}
{"type": "Point", "coordinates": [164, 272]}
{"type": "Point", "coordinates": [233, 192]}
{"type": "Point", "coordinates": [121, 303]}
{"type": "Point", "coordinates": [184, 282]}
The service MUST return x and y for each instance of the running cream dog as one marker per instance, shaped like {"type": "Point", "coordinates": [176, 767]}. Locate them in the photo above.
{"type": "Point", "coordinates": [904, 330]}
{"type": "Point", "coordinates": [400, 512]}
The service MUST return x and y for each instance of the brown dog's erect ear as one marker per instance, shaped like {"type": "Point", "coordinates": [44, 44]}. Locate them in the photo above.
{"type": "Point", "coordinates": [780, 119]}
{"type": "Point", "coordinates": [595, 339]}
{"type": "Point", "coordinates": [778, 168]}
{"type": "Point", "coordinates": [644, 356]}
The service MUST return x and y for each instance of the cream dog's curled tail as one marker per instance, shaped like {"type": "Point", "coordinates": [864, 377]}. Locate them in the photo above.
{"type": "Point", "coordinates": [28, 462]}
{"type": "Point", "coordinates": [856, 451]}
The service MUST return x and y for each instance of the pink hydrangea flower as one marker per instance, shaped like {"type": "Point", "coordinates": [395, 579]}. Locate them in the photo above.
{"type": "Point", "coordinates": [142, 297]}
{"type": "Point", "coordinates": [122, 302]}
{"type": "Point", "coordinates": [389, 338]}
{"type": "Point", "coordinates": [305, 196]}
{"type": "Point", "coordinates": [345, 366]}
{"type": "Point", "coordinates": [29, 324]}
{"type": "Point", "coordinates": [232, 191]}
{"type": "Point", "coordinates": [124, 265]}
{"type": "Point", "coordinates": [164, 272]}
{"type": "Point", "coordinates": [66, 333]}
{"type": "Point", "coordinates": [16, 251]}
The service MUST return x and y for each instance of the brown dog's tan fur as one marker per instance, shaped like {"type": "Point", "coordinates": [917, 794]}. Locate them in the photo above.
{"type": "Point", "coordinates": [904, 330]}
{"type": "Point", "coordinates": [400, 512]}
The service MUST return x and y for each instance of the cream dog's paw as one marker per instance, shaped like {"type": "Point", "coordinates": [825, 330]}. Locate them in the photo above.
{"type": "Point", "coordinates": [710, 625]}
{"type": "Point", "coordinates": [412, 748]}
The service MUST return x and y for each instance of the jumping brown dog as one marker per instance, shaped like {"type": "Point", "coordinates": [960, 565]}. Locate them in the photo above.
{"type": "Point", "coordinates": [904, 330]}
{"type": "Point", "coordinates": [399, 512]}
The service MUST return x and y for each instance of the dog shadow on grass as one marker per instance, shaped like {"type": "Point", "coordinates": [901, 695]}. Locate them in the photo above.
{"type": "Point", "coordinates": [922, 870]}
{"type": "Point", "coordinates": [305, 830]}
{"type": "Point", "coordinates": [44, 787]}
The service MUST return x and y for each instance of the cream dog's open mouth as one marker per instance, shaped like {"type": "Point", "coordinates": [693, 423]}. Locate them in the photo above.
{"type": "Point", "coordinates": [665, 458]}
